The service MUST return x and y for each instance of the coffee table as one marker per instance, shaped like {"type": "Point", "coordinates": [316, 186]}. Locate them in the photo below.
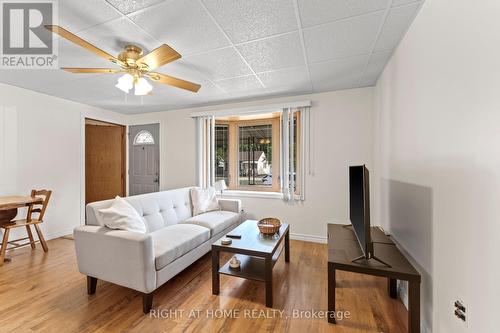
{"type": "Point", "coordinates": [257, 253]}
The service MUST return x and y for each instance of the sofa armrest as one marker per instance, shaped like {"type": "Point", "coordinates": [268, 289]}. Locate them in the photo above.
{"type": "Point", "coordinates": [230, 205]}
{"type": "Point", "coordinates": [122, 257]}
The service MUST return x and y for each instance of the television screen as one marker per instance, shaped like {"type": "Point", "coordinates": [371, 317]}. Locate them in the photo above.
{"type": "Point", "coordinates": [359, 205]}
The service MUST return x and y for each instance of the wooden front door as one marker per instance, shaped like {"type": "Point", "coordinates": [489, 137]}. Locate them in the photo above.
{"type": "Point", "coordinates": [104, 161]}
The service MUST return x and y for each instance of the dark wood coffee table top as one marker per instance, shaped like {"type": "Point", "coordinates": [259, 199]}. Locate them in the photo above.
{"type": "Point", "coordinates": [252, 242]}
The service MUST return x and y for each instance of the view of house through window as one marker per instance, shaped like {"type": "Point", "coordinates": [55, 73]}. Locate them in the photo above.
{"type": "Point", "coordinates": [221, 152]}
{"type": "Point", "coordinates": [248, 149]}
{"type": "Point", "coordinates": [255, 155]}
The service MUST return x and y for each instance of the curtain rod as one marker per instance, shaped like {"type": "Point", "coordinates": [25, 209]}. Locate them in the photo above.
{"type": "Point", "coordinates": [252, 109]}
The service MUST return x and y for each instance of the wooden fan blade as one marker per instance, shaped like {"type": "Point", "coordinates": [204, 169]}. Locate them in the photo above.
{"type": "Point", "coordinates": [159, 57]}
{"type": "Point", "coordinates": [173, 81]}
{"type": "Point", "coordinates": [78, 41]}
{"type": "Point", "coordinates": [91, 70]}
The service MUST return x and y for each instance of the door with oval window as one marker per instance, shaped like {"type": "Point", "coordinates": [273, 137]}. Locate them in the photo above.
{"type": "Point", "coordinates": [144, 152]}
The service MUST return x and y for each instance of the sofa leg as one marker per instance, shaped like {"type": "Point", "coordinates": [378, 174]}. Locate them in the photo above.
{"type": "Point", "coordinates": [147, 302]}
{"type": "Point", "coordinates": [91, 285]}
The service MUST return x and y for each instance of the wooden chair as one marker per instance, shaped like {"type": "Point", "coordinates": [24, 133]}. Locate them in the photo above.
{"type": "Point", "coordinates": [30, 220]}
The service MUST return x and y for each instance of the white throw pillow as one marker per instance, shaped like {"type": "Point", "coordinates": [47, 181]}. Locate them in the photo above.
{"type": "Point", "coordinates": [121, 215]}
{"type": "Point", "coordinates": [204, 200]}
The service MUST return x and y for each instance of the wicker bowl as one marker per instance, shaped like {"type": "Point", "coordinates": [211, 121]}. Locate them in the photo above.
{"type": "Point", "coordinates": [269, 225]}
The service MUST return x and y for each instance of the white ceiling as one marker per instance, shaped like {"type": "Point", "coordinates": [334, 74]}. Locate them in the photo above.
{"type": "Point", "coordinates": [236, 49]}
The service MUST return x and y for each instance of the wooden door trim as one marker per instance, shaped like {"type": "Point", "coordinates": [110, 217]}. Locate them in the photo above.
{"type": "Point", "coordinates": [102, 122]}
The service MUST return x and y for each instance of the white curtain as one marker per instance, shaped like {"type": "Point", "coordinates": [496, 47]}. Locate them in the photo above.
{"type": "Point", "coordinates": [293, 174]}
{"type": "Point", "coordinates": [206, 151]}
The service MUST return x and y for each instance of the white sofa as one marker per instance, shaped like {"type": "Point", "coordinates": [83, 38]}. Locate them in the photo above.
{"type": "Point", "coordinates": [143, 262]}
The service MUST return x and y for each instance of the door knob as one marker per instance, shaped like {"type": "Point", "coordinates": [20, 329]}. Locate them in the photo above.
{"type": "Point", "coordinates": [155, 180]}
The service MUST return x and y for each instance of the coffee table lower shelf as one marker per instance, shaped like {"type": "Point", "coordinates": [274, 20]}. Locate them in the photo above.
{"type": "Point", "coordinates": [251, 268]}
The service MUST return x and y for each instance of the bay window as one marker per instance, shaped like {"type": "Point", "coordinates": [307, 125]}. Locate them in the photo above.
{"type": "Point", "coordinates": [255, 152]}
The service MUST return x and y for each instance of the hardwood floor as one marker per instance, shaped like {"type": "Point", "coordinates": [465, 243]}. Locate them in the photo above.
{"type": "Point", "coordinates": [46, 293]}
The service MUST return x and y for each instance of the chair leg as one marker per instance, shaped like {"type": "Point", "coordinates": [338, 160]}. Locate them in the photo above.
{"type": "Point", "coordinates": [5, 240]}
{"type": "Point", "coordinates": [147, 302]}
{"type": "Point", "coordinates": [91, 285]}
{"type": "Point", "coordinates": [30, 235]}
{"type": "Point", "coordinates": [40, 237]}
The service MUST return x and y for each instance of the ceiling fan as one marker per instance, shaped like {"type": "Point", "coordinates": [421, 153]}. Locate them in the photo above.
{"type": "Point", "coordinates": [133, 63]}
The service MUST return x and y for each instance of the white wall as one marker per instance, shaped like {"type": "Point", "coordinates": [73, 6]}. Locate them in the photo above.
{"type": "Point", "coordinates": [342, 130]}
{"type": "Point", "coordinates": [41, 141]}
{"type": "Point", "coordinates": [438, 158]}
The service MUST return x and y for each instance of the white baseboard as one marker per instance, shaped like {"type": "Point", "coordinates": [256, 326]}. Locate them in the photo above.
{"type": "Point", "coordinates": [308, 238]}
{"type": "Point", "coordinates": [59, 234]}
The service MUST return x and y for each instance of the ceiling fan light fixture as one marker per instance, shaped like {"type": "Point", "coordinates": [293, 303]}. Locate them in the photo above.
{"type": "Point", "coordinates": [125, 83]}
{"type": "Point", "coordinates": [142, 87]}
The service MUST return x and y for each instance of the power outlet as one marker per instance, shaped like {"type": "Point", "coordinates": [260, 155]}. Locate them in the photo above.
{"type": "Point", "coordinates": [460, 311]}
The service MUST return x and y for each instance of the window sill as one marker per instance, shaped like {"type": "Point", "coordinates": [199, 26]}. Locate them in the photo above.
{"type": "Point", "coordinates": [250, 194]}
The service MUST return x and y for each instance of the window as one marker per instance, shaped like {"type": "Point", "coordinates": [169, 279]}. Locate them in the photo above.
{"type": "Point", "coordinates": [221, 152]}
{"type": "Point", "coordinates": [261, 150]}
{"type": "Point", "coordinates": [144, 137]}
{"type": "Point", "coordinates": [248, 149]}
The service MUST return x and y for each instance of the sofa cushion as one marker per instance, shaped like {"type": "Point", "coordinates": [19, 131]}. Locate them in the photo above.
{"type": "Point", "coordinates": [172, 242]}
{"type": "Point", "coordinates": [157, 209]}
{"type": "Point", "coordinates": [216, 221]}
{"type": "Point", "coordinates": [121, 215]}
{"type": "Point", "coordinates": [204, 200]}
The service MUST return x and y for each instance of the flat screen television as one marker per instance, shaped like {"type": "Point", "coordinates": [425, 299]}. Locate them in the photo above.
{"type": "Point", "coordinates": [359, 210]}
{"type": "Point", "coordinates": [359, 207]}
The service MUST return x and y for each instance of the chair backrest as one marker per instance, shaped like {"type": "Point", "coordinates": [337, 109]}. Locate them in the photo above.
{"type": "Point", "coordinates": [39, 208]}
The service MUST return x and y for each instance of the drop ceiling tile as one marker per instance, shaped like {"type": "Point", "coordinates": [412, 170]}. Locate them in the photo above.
{"type": "Point", "coordinates": [182, 24]}
{"type": "Point", "coordinates": [402, 2]}
{"type": "Point", "coordinates": [333, 75]}
{"type": "Point", "coordinates": [41, 80]}
{"type": "Point", "coordinates": [287, 80]}
{"type": "Point", "coordinates": [130, 6]}
{"type": "Point", "coordinates": [76, 15]}
{"type": "Point", "coordinates": [313, 12]}
{"type": "Point", "coordinates": [220, 64]}
{"type": "Point", "coordinates": [245, 20]}
{"type": "Point", "coordinates": [185, 71]}
{"type": "Point", "coordinates": [273, 53]}
{"type": "Point", "coordinates": [72, 55]}
{"type": "Point", "coordinates": [358, 7]}
{"type": "Point", "coordinates": [395, 27]}
{"type": "Point", "coordinates": [112, 36]}
{"type": "Point", "coordinates": [248, 83]}
{"type": "Point", "coordinates": [89, 88]}
{"type": "Point", "coordinates": [375, 67]}
{"type": "Point", "coordinates": [342, 39]}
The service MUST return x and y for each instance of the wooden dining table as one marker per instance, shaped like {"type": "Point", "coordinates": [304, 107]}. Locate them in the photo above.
{"type": "Point", "coordinates": [10, 204]}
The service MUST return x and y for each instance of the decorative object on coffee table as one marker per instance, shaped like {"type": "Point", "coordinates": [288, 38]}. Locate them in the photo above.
{"type": "Point", "coordinates": [226, 241]}
{"type": "Point", "coordinates": [257, 256]}
{"type": "Point", "coordinates": [269, 225]}
{"type": "Point", "coordinates": [234, 263]}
